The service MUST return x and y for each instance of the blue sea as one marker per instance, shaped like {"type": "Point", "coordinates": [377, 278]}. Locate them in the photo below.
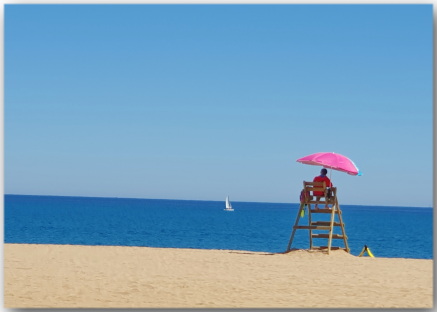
{"type": "Point", "coordinates": [395, 232]}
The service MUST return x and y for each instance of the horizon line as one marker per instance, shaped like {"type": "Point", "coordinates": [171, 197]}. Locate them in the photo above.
{"type": "Point", "coordinates": [287, 203]}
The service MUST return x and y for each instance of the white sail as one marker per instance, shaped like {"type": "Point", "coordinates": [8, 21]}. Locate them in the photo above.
{"type": "Point", "coordinates": [228, 204]}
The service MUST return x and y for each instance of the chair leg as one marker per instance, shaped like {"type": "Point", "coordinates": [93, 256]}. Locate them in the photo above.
{"type": "Point", "coordinates": [294, 226]}
{"type": "Point", "coordinates": [343, 229]}
{"type": "Point", "coordinates": [309, 223]}
{"type": "Point", "coordinates": [331, 230]}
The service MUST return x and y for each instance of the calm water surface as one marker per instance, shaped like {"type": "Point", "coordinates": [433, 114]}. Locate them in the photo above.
{"type": "Point", "coordinates": [388, 231]}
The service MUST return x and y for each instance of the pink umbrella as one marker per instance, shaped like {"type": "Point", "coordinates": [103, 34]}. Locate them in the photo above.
{"type": "Point", "coordinates": [332, 161]}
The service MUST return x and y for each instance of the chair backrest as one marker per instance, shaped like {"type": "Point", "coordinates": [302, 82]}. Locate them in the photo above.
{"type": "Point", "coordinates": [314, 186]}
{"type": "Point", "coordinates": [329, 193]}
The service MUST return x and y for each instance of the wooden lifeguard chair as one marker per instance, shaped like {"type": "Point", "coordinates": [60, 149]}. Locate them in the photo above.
{"type": "Point", "coordinates": [321, 205]}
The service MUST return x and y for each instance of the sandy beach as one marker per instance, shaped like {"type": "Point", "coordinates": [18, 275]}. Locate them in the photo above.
{"type": "Point", "coordinates": [66, 276]}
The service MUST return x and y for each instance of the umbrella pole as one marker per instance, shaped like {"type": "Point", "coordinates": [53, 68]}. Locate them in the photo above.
{"type": "Point", "coordinates": [330, 179]}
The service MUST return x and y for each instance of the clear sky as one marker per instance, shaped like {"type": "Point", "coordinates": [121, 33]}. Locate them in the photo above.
{"type": "Point", "coordinates": [205, 101]}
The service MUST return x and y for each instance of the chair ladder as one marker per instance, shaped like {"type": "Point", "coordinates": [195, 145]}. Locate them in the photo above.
{"type": "Point", "coordinates": [325, 226]}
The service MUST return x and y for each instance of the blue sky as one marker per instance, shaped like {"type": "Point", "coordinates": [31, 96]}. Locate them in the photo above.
{"type": "Point", "coordinates": [204, 101]}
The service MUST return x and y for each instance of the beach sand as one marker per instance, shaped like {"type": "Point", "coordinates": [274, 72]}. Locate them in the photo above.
{"type": "Point", "coordinates": [66, 276]}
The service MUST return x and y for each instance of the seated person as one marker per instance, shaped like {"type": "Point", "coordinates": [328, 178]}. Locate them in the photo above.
{"type": "Point", "coordinates": [321, 178]}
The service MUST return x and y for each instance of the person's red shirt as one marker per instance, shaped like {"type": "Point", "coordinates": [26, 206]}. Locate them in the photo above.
{"type": "Point", "coordinates": [321, 178]}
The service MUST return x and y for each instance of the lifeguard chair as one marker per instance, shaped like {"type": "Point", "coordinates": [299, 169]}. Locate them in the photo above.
{"type": "Point", "coordinates": [319, 206]}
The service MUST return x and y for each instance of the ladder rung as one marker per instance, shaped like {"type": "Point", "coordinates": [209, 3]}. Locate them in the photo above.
{"type": "Point", "coordinates": [312, 227]}
{"type": "Point", "coordinates": [326, 247]}
{"type": "Point", "coordinates": [320, 202]}
{"type": "Point", "coordinates": [317, 202]}
{"type": "Point", "coordinates": [324, 211]}
{"type": "Point", "coordinates": [326, 223]}
{"type": "Point", "coordinates": [334, 236]}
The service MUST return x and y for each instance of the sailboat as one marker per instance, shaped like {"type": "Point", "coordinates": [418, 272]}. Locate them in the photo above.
{"type": "Point", "coordinates": [228, 205]}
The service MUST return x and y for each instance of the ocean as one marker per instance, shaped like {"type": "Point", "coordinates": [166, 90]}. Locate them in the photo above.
{"type": "Point", "coordinates": [394, 232]}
